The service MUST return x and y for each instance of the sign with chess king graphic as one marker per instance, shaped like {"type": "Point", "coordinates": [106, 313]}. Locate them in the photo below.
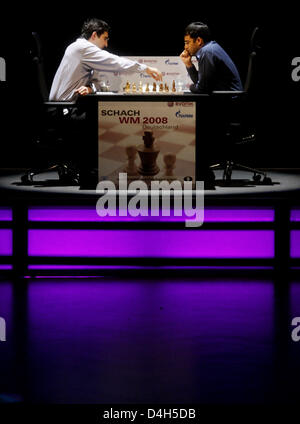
{"type": "Point", "coordinates": [147, 140]}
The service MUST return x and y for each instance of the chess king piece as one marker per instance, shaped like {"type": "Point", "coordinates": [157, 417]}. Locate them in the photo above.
{"type": "Point", "coordinates": [173, 86]}
{"type": "Point", "coordinates": [131, 168]}
{"type": "Point", "coordinates": [169, 160]}
{"type": "Point", "coordinates": [148, 153]}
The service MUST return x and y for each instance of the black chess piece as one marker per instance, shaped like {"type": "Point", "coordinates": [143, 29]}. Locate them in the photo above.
{"type": "Point", "coordinates": [148, 153]}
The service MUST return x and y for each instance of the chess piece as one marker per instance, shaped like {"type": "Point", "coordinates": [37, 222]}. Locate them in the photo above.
{"type": "Point", "coordinates": [161, 87]}
{"type": "Point", "coordinates": [131, 168]}
{"type": "Point", "coordinates": [148, 153]}
{"type": "Point", "coordinates": [154, 86]}
{"type": "Point", "coordinates": [127, 87]}
{"type": "Point", "coordinates": [166, 88]}
{"type": "Point", "coordinates": [169, 160]}
{"type": "Point", "coordinates": [173, 86]}
{"type": "Point", "coordinates": [140, 87]}
{"type": "Point", "coordinates": [133, 88]}
{"type": "Point", "coordinates": [147, 87]}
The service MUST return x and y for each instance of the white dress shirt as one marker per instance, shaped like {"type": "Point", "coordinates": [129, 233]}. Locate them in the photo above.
{"type": "Point", "coordinates": [81, 58]}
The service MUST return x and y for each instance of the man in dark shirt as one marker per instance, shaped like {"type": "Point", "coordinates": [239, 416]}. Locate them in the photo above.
{"type": "Point", "coordinates": [216, 70]}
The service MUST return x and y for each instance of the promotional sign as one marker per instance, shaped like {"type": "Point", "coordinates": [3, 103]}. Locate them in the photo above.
{"type": "Point", "coordinates": [147, 140]}
{"type": "Point", "coordinates": [172, 69]}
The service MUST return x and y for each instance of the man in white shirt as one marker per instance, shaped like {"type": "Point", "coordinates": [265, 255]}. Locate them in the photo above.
{"type": "Point", "coordinates": [86, 55]}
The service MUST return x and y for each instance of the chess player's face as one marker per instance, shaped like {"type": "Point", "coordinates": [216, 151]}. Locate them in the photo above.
{"type": "Point", "coordinates": [192, 45]}
{"type": "Point", "coordinates": [100, 41]}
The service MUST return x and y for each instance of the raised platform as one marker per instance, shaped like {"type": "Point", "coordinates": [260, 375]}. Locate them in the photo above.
{"type": "Point", "coordinates": [46, 228]}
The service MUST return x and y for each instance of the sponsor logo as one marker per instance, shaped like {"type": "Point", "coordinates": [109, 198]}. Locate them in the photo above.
{"type": "Point", "coordinates": [147, 61]}
{"type": "Point", "coordinates": [184, 104]}
{"type": "Point", "coordinates": [172, 73]}
{"type": "Point", "coordinates": [169, 62]}
{"type": "Point", "coordinates": [179, 114]}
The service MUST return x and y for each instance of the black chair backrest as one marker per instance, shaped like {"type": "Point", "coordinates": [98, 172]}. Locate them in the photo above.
{"type": "Point", "coordinates": [252, 59]}
{"type": "Point", "coordinates": [38, 62]}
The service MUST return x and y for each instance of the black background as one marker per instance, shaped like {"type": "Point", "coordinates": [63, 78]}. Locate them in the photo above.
{"type": "Point", "coordinates": [154, 29]}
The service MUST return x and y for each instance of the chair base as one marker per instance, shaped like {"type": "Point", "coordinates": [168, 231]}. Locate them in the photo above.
{"type": "Point", "coordinates": [258, 175]}
{"type": "Point", "coordinates": [68, 175]}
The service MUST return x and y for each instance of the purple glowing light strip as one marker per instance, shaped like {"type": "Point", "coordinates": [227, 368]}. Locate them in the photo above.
{"type": "Point", "coordinates": [295, 215]}
{"type": "Point", "coordinates": [134, 267]}
{"type": "Point", "coordinates": [5, 267]}
{"type": "Point", "coordinates": [295, 244]}
{"type": "Point", "coordinates": [87, 214]}
{"type": "Point", "coordinates": [5, 214]}
{"type": "Point", "coordinates": [152, 243]}
{"type": "Point", "coordinates": [6, 242]}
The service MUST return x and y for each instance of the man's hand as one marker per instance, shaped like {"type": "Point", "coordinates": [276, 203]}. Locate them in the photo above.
{"type": "Point", "coordinates": [186, 58]}
{"type": "Point", "coordinates": [154, 73]}
{"type": "Point", "coordinates": [83, 90]}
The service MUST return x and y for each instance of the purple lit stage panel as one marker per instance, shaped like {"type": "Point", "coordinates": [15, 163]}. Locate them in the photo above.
{"type": "Point", "coordinates": [295, 215]}
{"type": "Point", "coordinates": [295, 244]}
{"type": "Point", "coordinates": [152, 243]}
{"type": "Point", "coordinates": [5, 214]}
{"type": "Point", "coordinates": [87, 214]}
{"type": "Point", "coordinates": [5, 242]}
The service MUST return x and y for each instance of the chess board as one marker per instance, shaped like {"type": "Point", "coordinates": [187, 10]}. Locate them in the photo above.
{"type": "Point", "coordinates": [172, 124]}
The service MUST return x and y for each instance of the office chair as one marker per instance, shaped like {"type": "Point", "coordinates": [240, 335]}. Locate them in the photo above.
{"type": "Point", "coordinates": [50, 124]}
{"type": "Point", "coordinates": [239, 132]}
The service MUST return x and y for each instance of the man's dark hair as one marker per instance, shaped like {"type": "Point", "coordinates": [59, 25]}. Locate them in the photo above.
{"type": "Point", "coordinates": [94, 24]}
{"type": "Point", "coordinates": [198, 29]}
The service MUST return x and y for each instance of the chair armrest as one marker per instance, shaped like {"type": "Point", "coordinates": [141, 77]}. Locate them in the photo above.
{"type": "Point", "coordinates": [60, 104]}
{"type": "Point", "coordinates": [229, 93]}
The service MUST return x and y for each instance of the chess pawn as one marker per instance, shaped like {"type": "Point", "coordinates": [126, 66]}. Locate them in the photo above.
{"type": "Point", "coordinates": [161, 87]}
{"type": "Point", "coordinates": [148, 153]}
{"type": "Point", "coordinates": [154, 86]}
{"type": "Point", "coordinates": [133, 88]}
{"type": "Point", "coordinates": [131, 168]}
{"type": "Point", "coordinates": [173, 87]}
{"type": "Point", "coordinates": [169, 160]}
{"type": "Point", "coordinates": [127, 87]}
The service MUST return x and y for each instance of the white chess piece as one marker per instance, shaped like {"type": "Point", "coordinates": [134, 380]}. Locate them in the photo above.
{"type": "Point", "coordinates": [131, 152]}
{"type": "Point", "coordinates": [169, 160]}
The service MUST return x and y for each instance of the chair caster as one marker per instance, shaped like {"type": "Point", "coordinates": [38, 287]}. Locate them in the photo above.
{"type": "Point", "coordinates": [27, 178]}
{"type": "Point", "coordinates": [68, 175]}
{"type": "Point", "coordinates": [267, 180]}
{"type": "Point", "coordinates": [256, 178]}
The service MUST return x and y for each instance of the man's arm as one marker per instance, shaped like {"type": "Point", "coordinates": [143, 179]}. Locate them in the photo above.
{"type": "Point", "coordinates": [203, 77]}
{"type": "Point", "coordinates": [187, 60]}
{"type": "Point", "coordinates": [101, 60]}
